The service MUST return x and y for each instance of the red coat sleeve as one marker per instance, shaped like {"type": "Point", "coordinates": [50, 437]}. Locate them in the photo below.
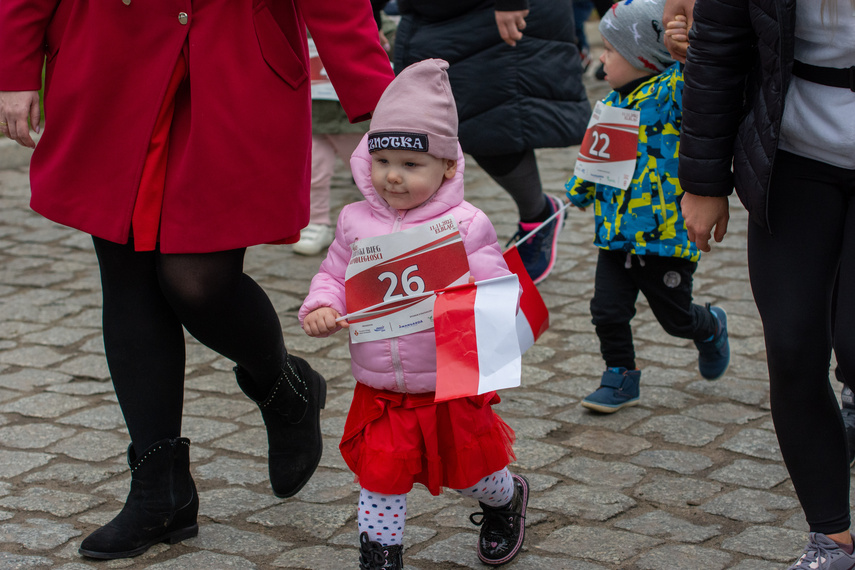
{"type": "Point", "coordinates": [23, 28]}
{"type": "Point", "coordinates": [346, 36]}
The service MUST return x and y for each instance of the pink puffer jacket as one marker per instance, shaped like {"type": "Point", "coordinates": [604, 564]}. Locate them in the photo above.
{"type": "Point", "coordinates": [406, 363]}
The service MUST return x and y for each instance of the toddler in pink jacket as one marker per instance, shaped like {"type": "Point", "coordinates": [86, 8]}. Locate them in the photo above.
{"type": "Point", "coordinates": [409, 167]}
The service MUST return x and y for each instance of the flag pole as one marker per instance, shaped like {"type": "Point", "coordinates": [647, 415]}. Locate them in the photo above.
{"type": "Point", "coordinates": [564, 206]}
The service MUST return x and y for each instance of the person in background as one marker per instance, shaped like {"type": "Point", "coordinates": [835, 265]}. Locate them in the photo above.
{"type": "Point", "coordinates": [174, 188]}
{"type": "Point", "coordinates": [643, 242]}
{"type": "Point", "coordinates": [517, 78]}
{"type": "Point", "coordinates": [769, 110]}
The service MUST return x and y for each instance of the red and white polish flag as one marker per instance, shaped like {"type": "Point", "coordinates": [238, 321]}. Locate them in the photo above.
{"type": "Point", "coordinates": [477, 348]}
{"type": "Point", "coordinates": [533, 316]}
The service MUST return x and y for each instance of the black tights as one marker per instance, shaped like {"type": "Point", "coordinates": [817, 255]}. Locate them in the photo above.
{"type": "Point", "coordinates": [793, 272]}
{"type": "Point", "coordinates": [518, 175]}
{"type": "Point", "coordinates": [148, 296]}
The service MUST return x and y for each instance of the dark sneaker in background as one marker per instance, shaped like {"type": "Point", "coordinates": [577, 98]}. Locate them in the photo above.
{"type": "Point", "coordinates": [538, 252]}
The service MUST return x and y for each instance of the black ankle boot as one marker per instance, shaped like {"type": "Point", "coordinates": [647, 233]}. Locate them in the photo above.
{"type": "Point", "coordinates": [375, 556]}
{"type": "Point", "coordinates": [161, 506]}
{"type": "Point", "coordinates": [292, 413]}
{"type": "Point", "coordinates": [502, 528]}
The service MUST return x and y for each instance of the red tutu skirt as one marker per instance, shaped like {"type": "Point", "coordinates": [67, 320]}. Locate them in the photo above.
{"type": "Point", "coordinates": [393, 440]}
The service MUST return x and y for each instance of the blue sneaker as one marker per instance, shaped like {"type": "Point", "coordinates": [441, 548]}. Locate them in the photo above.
{"type": "Point", "coordinates": [618, 389]}
{"type": "Point", "coordinates": [539, 251]}
{"type": "Point", "coordinates": [714, 354]}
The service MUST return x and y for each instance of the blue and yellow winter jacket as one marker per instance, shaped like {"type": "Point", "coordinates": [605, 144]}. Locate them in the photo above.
{"type": "Point", "coordinates": [645, 219]}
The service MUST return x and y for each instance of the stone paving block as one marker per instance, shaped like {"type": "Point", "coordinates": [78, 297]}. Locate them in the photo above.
{"type": "Point", "coordinates": [608, 443]}
{"type": "Point", "coordinates": [459, 549]}
{"type": "Point", "coordinates": [531, 403]}
{"type": "Point", "coordinates": [596, 472]}
{"type": "Point", "coordinates": [748, 392]}
{"type": "Point", "coordinates": [676, 491]}
{"type": "Point", "coordinates": [585, 501]}
{"type": "Point", "coordinates": [74, 473]}
{"type": "Point", "coordinates": [683, 557]}
{"type": "Point", "coordinates": [724, 413]}
{"type": "Point", "coordinates": [13, 463]}
{"type": "Point", "coordinates": [87, 366]}
{"type": "Point", "coordinates": [58, 336]}
{"type": "Point", "coordinates": [224, 504]}
{"type": "Point", "coordinates": [220, 382]}
{"type": "Point", "coordinates": [327, 486]}
{"type": "Point", "coordinates": [205, 559]}
{"type": "Point", "coordinates": [768, 542]}
{"type": "Point", "coordinates": [680, 429]}
{"type": "Point", "coordinates": [82, 388]}
{"type": "Point", "coordinates": [619, 421]}
{"type": "Point", "coordinates": [421, 502]}
{"type": "Point", "coordinates": [319, 558]}
{"type": "Point", "coordinates": [208, 407]}
{"type": "Point", "coordinates": [798, 522]}
{"type": "Point", "coordinates": [331, 457]}
{"type": "Point", "coordinates": [33, 436]}
{"type": "Point", "coordinates": [319, 521]}
{"type": "Point", "coordinates": [232, 471]}
{"type": "Point", "coordinates": [662, 397]}
{"type": "Point", "coordinates": [32, 356]}
{"type": "Point", "coordinates": [682, 462]}
{"type": "Point", "coordinates": [668, 356]}
{"type": "Point", "coordinates": [533, 454]}
{"type": "Point", "coordinates": [108, 417]}
{"type": "Point", "coordinates": [225, 538]}
{"type": "Point", "coordinates": [755, 564]}
{"type": "Point", "coordinates": [534, 376]}
{"type": "Point", "coordinates": [749, 505]}
{"type": "Point", "coordinates": [666, 526]}
{"type": "Point", "coordinates": [57, 503]}
{"type": "Point", "coordinates": [249, 441]}
{"type": "Point", "coordinates": [595, 543]}
{"type": "Point", "coordinates": [30, 378]}
{"type": "Point", "coordinates": [587, 370]}
{"type": "Point", "coordinates": [533, 428]}
{"type": "Point", "coordinates": [11, 561]}
{"type": "Point", "coordinates": [749, 473]}
{"type": "Point", "coordinates": [203, 430]}
{"type": "Point", "coordinates": [756, 443]}
{"type": "Point", "coordinates": [92, 446]}
{"type": "Point", "coordinates": [43, 405]}
{"type": "Point", "coordinates": [90, 318]}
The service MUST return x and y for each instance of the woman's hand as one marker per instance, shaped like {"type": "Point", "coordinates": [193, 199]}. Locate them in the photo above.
{"type": "Point", "coordinates": [702, 214]}
{"type": "Point", "coordinates": [322, 322]}
{"type": "Point", "coordinates": [511, 24]}
{"type": "Point", "coordinates": [16, 109]}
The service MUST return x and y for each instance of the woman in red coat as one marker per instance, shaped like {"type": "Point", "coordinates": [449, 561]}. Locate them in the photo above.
{"type": "Point", "coordinates": [179, 135]}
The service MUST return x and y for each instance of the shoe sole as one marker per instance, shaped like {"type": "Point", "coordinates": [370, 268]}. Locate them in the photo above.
{"type": "Point", "coordinates": [524, 484]}
{"type": "Point", "coordinates": [170, 537]}
{"type": "Point", "coordinates": [322, 400]}
{"type": "Point", "coordinates": [556, 203]}
{"type": "Point", "coordinates": [603, 408]}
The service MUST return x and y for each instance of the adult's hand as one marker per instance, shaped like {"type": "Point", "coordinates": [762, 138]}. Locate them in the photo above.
{"type": "Point", "coordinates": [511, 23]}
{"type": "Point", "coordinates": [674, 8]}
{"type": "Point", "coordinates": [702, 214]}
{"type": "Point", "coordinates": [16, 108]}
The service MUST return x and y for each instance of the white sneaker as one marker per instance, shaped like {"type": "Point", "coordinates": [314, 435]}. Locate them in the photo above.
{"type": "Point", "coordinates": [314, 239]}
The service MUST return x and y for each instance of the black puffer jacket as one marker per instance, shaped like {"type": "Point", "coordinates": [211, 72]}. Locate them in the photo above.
{"type": "Point", "coordinates": [509, 99]}
{"type": "Point", "coordinates": [737, 73]}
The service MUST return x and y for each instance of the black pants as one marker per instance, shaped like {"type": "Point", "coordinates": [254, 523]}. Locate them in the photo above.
{"type": "Point", "coordinates": [793, 271]}
{"type": "Point", "coordinates": [148, 296]}
{"type": "Point", "coordinates": [666, 283]}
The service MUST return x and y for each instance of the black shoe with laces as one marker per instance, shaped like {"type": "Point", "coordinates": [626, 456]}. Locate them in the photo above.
{"type": "Point", "coordinates": [502, 528]}
{"type": "Point", "coordinates": [847, 410]}
{"type": "Point", "coordinates": [375, 556]}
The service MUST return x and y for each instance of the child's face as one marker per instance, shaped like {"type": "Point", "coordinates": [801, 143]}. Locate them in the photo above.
{"type": "Point", "coordinates": [618, 70]}
{"type": "Point", "coordinates": [406, 178]}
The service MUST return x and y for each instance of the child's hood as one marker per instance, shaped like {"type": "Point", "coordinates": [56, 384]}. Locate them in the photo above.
{"type": "Point", "coordinates": [449, 194]}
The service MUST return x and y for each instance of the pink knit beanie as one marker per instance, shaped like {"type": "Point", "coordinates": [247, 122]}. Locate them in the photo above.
{"type": "Point", "coordinates": [417, 112]}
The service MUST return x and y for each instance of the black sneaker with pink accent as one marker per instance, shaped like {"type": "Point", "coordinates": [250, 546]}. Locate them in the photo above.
{"type": "Point", "coordinates": [502, 528]}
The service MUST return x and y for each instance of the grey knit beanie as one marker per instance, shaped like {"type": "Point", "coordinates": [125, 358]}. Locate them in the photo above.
{"type": "Point", "coordinates": [417, 112]}
{"type": "Point", "coordinates": [635, 29]}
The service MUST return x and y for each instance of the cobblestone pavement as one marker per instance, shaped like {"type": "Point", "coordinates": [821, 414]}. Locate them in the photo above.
{"type": "Point", "coordinates": [690, 479]}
